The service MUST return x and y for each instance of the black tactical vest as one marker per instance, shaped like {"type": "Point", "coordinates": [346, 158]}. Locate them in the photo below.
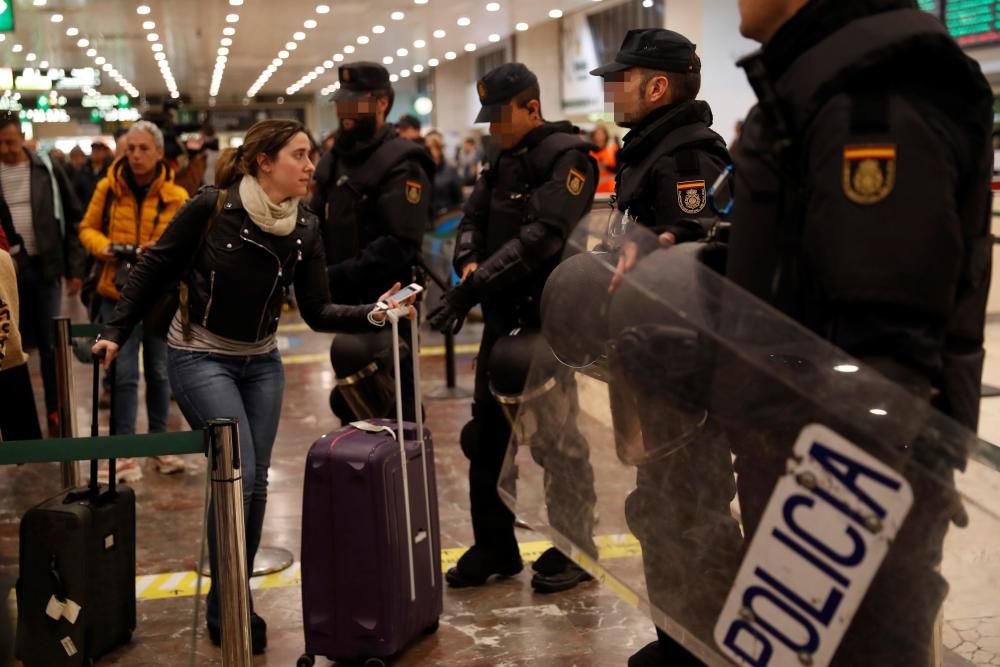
{"type": "Point", "coordinates": [773, 154]}
{"type": "Point", "coordinates": [636, 190]}
{"type": "Point", "coordinates": [514, 176]}
{"type": "Point", "coordinates": [351, 220]}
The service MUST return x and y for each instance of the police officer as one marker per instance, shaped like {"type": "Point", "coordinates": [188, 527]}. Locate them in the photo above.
{"type": "Point", "coordinates": [522, 210]}
{"type": "Point", "coordinates": [863, 179]}
{"type": "Point", "coordinates": [679, 510]}
{"type": "Point", "coordinates": [373, 198]}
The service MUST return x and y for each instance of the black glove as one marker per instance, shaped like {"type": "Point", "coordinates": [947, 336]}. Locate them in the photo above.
{"type": "Point", "coordinates": [450, 315]}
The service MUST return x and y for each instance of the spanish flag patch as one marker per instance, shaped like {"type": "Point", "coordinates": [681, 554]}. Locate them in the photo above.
{"type": "Point", "coordinates": [869, 173]}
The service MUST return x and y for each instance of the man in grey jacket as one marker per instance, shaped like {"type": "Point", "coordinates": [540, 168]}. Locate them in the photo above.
{"type": "Point", "coordinates": [46, 214]}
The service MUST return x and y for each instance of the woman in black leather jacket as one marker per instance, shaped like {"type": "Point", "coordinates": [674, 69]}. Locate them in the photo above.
{"type": "Point", "coordinates": [238, 249]}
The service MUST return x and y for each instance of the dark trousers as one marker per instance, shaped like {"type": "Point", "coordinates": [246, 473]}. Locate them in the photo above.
{"type": "Point", "coordinates": [894, 624]}
{"type": "Point", "coordinates": [41, 299]}
{"type": "Point", "coordinates": [484, 442]}
{"type": "Point", "coordinates": [558, 446]}
{"type": "Point", "coordinates": [18, 414]}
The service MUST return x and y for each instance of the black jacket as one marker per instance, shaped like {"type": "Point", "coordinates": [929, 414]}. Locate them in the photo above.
{"type": "Point", "coordinates": [239, 276]}
{"type": "Point", "coordinates": [372, 238]}
{"type": "Point", "coordinates": [871, 225]}
{"type": "Point", "coordinates": [58, 242]}
{"type": "Point", "coordinates": [665, 168]}
{"type": "Point", "coordinates": [522, 211]}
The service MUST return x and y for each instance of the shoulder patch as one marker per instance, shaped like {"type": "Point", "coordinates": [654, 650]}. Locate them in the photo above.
{"type": "Point", "coordinates": [574, 182]}
{"type": "Point", "coordinates": [414, 191]}
{"type": "Point", "coordinates": [692, 196]}
{"type": "Point", "coordinates": [869, 173]}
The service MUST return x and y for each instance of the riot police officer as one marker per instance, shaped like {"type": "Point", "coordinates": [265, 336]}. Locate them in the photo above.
{"type": "Point", "coordinates": [523, 208]}
{"type": "Point", "coordinates": [863, 178]}
{"type": "Point", "coordinates": [679, 510]}
{"type": "Point", "coordinates": [373, 198]}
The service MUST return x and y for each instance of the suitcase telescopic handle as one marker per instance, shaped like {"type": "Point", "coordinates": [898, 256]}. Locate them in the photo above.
{"type": "Point", "coordinates": [394, 316]}
{"type": "Point", "coordinates": [94, 487]}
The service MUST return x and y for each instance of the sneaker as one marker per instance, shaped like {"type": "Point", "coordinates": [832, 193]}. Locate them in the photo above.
{"type": "Point", "coordinates": [169, 464]}
{"type": "Point", "coordinates": [126, 470]}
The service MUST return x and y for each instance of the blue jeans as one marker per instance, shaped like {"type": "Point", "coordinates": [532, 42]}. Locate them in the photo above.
{"type": "Point", "coordinates": [41, 299]}
{"type": "Point", "coordinates": [126, 397]}
{"type": "Point", "coordinates": [211, 386]}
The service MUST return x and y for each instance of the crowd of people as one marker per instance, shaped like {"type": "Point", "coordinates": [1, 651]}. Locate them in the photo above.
{"type": "Point", "coordinates": [342, 224]}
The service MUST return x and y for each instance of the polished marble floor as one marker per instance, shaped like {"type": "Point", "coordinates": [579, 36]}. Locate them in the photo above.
{"type": "Point", "coordinates": [503, 625]}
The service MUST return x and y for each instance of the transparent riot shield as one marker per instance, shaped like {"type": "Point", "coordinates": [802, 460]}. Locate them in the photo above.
{"type": "Point", "coordinates": [763, 497]}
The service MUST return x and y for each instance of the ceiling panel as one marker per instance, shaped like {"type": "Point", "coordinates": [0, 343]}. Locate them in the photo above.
{"type": "Point", "coordinates": [190, 32]}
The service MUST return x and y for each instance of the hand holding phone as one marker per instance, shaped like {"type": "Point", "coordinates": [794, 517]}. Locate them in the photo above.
{"type": "Point", "coordinates": [403, 297]}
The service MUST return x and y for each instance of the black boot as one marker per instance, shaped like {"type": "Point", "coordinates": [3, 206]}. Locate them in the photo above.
{"type": "Point", "coordinates": [665, 652]}
{"type": "Point", "coordinates": [258, 634]}
{"type": "Point", "coordinates": [476, 566]}
{"type": "Point", "coordinates": [554, 572]}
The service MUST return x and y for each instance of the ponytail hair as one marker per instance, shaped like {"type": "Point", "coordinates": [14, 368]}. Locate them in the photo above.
{"type": "Point", "coordinates": [267, 138]}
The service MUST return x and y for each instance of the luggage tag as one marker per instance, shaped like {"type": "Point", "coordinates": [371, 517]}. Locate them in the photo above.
{"type": "Point", "coordinates": [71, 612]}
{"type": "Point", "coordinates": [54, 609]}
{"type": "Point", "coordinates": [368, 427]}
{"type": "Point", "coordinates": [68, 646]}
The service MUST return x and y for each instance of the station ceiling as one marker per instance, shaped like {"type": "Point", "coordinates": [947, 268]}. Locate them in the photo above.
{"type": "Point", "coordinates": [232, 49]}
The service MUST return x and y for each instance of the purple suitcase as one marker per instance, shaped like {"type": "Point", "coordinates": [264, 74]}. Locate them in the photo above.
{"type": "Point", "coordinates": [371, 560]}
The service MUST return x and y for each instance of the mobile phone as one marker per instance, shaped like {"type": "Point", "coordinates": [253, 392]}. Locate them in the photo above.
{"type": "Point", "coordinates": [401, 295]}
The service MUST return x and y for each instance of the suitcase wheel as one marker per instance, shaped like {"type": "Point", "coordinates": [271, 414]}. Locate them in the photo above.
{"type": "Point", "coordinates": [433, 627]}
{"type": "Point", "coordinates": [306, 660]}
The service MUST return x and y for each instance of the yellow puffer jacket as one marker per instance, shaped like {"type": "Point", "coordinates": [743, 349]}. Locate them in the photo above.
{"type": "Point", "coordinates": [158, 209]}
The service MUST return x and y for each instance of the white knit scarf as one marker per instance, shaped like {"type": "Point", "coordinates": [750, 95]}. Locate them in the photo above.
{"type": "Point", "coordinates": [277, 219]}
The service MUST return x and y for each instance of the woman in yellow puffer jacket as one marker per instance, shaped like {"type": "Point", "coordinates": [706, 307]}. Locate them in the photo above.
{"type": "Point", "coordinates": [130, 209]}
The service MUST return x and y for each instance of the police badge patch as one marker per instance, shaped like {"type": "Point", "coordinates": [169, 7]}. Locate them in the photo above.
{"type": "Point", "coordinates": [413, 192]}
{"type": "Point", "coordinates": [869, 173]}
{"type": "Point", "coordinates": [481, 89]}
{"type": "Point", "coordinates": [575, 181]}
{"type": "Point", "coordinates": [692, 196]}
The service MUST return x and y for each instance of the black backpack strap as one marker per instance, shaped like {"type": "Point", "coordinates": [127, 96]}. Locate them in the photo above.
{"type": "Point", "coordinates": [687, 162]}
{"type": "Point", "coordinates": [109, 199]}
{"type": "Point", "coordinates": [805, 87]}
{"type": "Point", "coordinates": [366, 180]}
{"type": "Point", "coordinates": [542, 157]}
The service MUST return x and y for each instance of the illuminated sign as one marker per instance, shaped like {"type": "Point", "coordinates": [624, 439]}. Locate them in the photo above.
{"type": "Point", "coordinates": [970, 22]}
{"type": "Point", "coordinates": [6, 78]}
{"type": "Point", "coordinates": [32, 79]}
{"type": "Point", "coordinates": [100, 101]}
{"type": "Point", "coordinates": [6, 15]}
{"type": "Point", "coordinates": [78, 79]}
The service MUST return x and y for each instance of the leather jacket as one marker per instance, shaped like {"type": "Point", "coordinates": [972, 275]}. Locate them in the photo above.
{"type": "Point", "coordinates": [238, 276]}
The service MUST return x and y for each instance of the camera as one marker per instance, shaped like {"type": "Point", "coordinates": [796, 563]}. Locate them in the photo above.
{"type": "Point", "coordinates": [126, 251]}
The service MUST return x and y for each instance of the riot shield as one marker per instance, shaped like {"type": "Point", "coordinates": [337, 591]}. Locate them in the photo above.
{"type": "Point", "coordinates": [763, 497]}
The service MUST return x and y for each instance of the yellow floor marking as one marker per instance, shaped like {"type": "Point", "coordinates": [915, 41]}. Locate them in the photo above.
{"type": "Point", "coordinates": [182, 584]}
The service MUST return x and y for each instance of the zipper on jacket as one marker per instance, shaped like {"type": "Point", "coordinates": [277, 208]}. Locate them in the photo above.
{"type": "Point", "coordinates": [211, 295]}
{"type": "Point", "coordinates": [277, 279]}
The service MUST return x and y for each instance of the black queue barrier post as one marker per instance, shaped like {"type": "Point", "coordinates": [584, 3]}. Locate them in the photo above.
{"type": "Point", "coordinates": [451, 390]}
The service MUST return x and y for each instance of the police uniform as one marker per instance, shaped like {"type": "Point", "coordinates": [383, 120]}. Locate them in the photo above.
{"type": "Point", "coordinates": [864, 211]}
{"type": "Point", "coordinates": [679, 510]}
{"type": "Point", "coordinates": [523, 208]}
{"type": "Point", "coordinates": [373, 198]}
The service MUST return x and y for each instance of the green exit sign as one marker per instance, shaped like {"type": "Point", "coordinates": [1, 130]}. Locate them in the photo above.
{"type": "Point", "coordinates": [6, 15]}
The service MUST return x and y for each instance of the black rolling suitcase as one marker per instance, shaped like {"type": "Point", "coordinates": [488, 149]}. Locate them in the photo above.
{"type": "Point", "coordinates": [76, 587]}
